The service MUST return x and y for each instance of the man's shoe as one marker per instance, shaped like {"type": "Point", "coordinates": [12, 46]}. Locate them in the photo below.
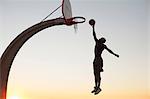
{"type": "Point", "coordinates": [93, 90]}
{"type": "Point", "coordinates": [97, 91]}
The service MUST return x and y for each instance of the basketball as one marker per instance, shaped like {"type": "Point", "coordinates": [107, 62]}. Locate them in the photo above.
{"type": "Point", "coordinates": [92, 22]}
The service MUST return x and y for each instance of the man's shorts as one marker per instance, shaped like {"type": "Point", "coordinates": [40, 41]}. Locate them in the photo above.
{"type": "Point", "coordinates": [98, 64]}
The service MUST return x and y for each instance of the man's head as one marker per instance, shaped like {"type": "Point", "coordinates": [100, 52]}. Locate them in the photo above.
{"type": "Point", "coordinates": [102, 40]}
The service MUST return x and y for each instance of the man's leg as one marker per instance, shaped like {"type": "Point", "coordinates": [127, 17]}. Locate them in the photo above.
{"type": "Point", "coordinates": [99, 80]}
{"type": "Point", "coordinates": [96, 81]}
{"type": "Point", "coordinates": [98, 89]}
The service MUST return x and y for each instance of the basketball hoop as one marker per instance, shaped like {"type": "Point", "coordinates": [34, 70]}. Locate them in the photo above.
{"type": "Point", "coordinates": [75, 20]}
{"type": "Point", "coordinates": [67, 13]}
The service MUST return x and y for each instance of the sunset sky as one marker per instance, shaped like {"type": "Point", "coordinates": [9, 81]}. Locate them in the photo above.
{"type": "Point", "coordinates": [57, 63]}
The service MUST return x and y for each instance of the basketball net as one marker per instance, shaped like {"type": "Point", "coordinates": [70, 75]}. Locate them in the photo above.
{"type": "Point", "coordinates": [75, 28]}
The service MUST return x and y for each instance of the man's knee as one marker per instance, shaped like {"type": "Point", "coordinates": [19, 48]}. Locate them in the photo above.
{"type": "Point", "coordinates": [99, 79]}
{"type": "Point", "coordinates": [97, 76]}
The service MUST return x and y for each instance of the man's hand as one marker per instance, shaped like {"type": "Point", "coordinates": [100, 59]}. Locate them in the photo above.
{"type": "Point", "coordinates": [93, 26]}
{"type": "Point", "coordinates": [117, 55]}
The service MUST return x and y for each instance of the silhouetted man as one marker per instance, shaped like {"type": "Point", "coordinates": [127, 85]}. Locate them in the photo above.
{"type": "Point", "coordinates": [98, 61]}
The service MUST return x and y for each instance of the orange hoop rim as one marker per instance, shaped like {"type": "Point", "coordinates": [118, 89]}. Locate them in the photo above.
{"type": "Point", "coordinates": [72, 21]}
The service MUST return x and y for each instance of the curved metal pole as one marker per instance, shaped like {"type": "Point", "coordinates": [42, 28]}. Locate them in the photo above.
{"type": "Point", "coordinates": [9, 54]}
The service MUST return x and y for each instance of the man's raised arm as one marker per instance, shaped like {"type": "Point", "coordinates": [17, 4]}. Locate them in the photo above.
{"type": "Point", "coordinates": [94, 34]}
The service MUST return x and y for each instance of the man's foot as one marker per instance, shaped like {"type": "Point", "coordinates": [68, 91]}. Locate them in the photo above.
{"type": "Point", "coordinates": [93, 90]}
{"type": "Point", "coordinates": [97, 91]}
